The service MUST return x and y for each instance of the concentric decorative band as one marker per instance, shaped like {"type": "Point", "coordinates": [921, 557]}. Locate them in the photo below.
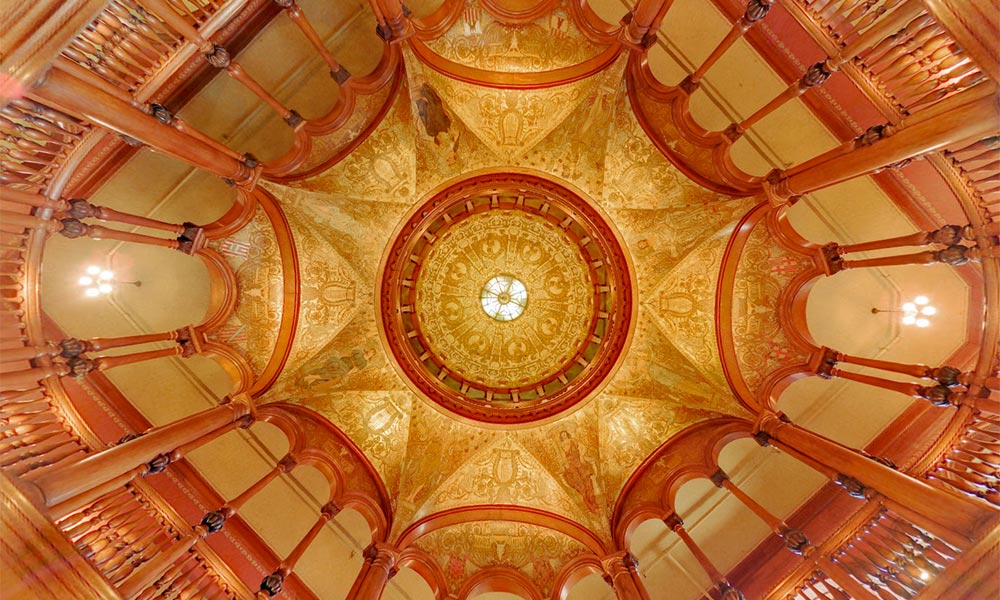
{"type": "Point", "coordinates": [488, 232]}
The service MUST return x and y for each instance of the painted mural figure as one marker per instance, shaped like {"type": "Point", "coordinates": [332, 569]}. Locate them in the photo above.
{"type": "Point", "coordinates": [338, 367]}
{"type": "Point", "coordinates": [578, 472]}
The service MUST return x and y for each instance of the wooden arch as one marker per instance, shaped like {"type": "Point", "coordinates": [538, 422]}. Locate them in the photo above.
{"type": "Point", "coordinates": [501, 579]}
{"type": "Point", "coordinates": [354, 481]}
{"type": "Point", "coordinates": [691, 454]}
{"type": "Point", "coordinates": [517, 13]}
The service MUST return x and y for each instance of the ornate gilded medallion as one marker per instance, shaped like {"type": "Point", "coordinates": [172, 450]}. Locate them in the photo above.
{"type": "Point", "coordinates": [506, 298]}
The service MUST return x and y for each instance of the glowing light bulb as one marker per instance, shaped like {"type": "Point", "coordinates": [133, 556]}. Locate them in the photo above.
{"type": "Point", "coordinates": [921, 300]}
{"type": "Point", "coordinates": [92, 270]}
{"type": "Point", "coordinates": [924, 575]}
{"type": "Point", "coordinates": [85, 280]}
{"type": "Point", "coordinates": [105, 288]}
{"type": "Point", "coordinates": [923, 323]}
{"type": "Point", "coordinates": [909, 320]}
{"type": "Point", "coordinates": [92, 292]}
{"type": "Point", "coordinates": [928, 310]}
{"type": "Point", "coordinates": [106, 275]}
{"type": "Point", "coordinates": [910, 307]}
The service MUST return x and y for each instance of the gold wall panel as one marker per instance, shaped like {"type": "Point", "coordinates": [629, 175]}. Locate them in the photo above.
{"type": "Point", "coordinates": [560, 303]}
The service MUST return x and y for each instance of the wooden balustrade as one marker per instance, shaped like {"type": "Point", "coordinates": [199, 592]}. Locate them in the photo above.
{"type": "Point", "coordinates": [918, 64]}
{"type": "Point", "coordinates": [946, 515]}
{"type": "Point", "coordinates": [58, 485]}
{"type": "Point", "coordinates": [128, 541]}
{"type": "Point", "coordinates": [969, 115]}
{"type": "Point", "coordinates": [972, 463]}
{"type": "Point", "coordinates": [34, 141]}
{"type": "Point", "coordinates": [978, 164]}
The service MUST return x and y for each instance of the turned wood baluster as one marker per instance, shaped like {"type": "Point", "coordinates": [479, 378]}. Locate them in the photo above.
{"type": "Point", "coordinates": [728, 592]}
{"type": "Point", "coordinates": [154, 568]}
{"type": "Point", "coordinates": [756, 10]}
{"type": "Point", "coordinates": [966, 115]}
{"type": "Point", "coordinates": [640, 24]}
{"type": "Point", "coordinates": [97, 106]}
{"type": "Point", "coordinates": [794, 539]}
{"type": "Point", "coordinates": [272, 584]}
{"type": "Point", "coordinates": [59, 485]}
{"type": "Point", "coordinates": [295, 13]}
{"type": "Point", "coordinates": [31, 378]}
{"type": "Point", "coordinates": [219, 58]}
{"type": "Point", "coordinates": [842, 577]}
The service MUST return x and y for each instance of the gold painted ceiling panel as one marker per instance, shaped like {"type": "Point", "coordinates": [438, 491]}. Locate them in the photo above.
{"type": "Point", "coordinates": [467, 548]}
{"type": "Point", "coordinates": [478, 40]}
{"type": "Point", "coordinates": [439, 129]}
{"type": "Point", "coordinates": [253, 255]}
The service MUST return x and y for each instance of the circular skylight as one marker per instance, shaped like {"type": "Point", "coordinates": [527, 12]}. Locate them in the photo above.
{"type": "Point", "coordinates": [504, 298]}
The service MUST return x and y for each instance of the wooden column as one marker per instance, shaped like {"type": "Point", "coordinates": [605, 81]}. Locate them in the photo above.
{"type": "Point", "coordinates": [756, 10]}
{"type": "Point", "coordinates": [977, 116]}
{"type": "Point", "coordinates": [795, 540]}
{"type": "Point", "coordinates": [274, 583]}
{"type": "Point", "coordinates": [72, 347]}
{"type": "Point", "coordinates": [378, 569]}
{"type": "Point", "coordinates": [294, 12]}
{"type": "Point", "coordinates": [727, 591]}
{"type": "Point", "coordinates": [949, 516]}
{"type": "Point", "coordinates": [620, 571]}
{"type": "Point", "coordinates": [68, 93]}
{"type": "Point", "coordinates": [58, 485]}
{"type": "Point", "coordinates": [643, 21]}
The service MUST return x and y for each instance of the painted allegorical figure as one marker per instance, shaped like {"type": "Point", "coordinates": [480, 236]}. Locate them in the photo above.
{"type": "Point", "coordinates": [579, 473]}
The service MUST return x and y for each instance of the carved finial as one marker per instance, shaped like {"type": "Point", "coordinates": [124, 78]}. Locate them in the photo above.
{"type": "Point", "coordinates": [953, 255]}
{"type": "Point", "coordinates": [816, 75]}
{"type": "Point", "coordinates": [218, 57]}
{"type": "Point", "coordinates": [128, 437]}
{"type": "Point", "coordinates": [80, 366]}
{"type": "Point", "coordinates": [159, 463]}
{"type": "Point", "coordinates": [273, 583]}
{"type": "Point", "coordinates": [757, 10]}
{"type": "Point", "coordinates": [763, 438]}
{"type": "Point", "coordinates": [946, 375]}
{"type": "Point", "coordinates": [938, 395]}
{"type": "Point", "coordinates": [852, 486]}
{"type": "Point", "coordinates": [161, 113]}
{"type": "Point", "coordinates": [72, 347]}
{"type": "Point", "coordinates": [870, 136]}
{"type": "Point", "coordinates": [287, 463]}
{"type": "Point", "coordinates": [729, 592]}
{"type": "Point", "coordinates": [214, 521]}
{"type": "Point", "coordinates": [80, 209]}
{"type": "Point", "coordinates": [947, 235]}
{"type": "Point", "coordinates": [73, 228]}
{"type": "Point", "coordinates": [795, 540]}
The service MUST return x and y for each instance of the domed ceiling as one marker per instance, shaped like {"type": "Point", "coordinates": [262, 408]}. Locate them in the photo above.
{"type": "Point", "coordinates": [408, 250]}
{"type": "Point", "coordinates": [579, 136]}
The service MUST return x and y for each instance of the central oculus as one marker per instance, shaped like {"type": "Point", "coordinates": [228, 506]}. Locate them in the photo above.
{"type": "Point", "coordinates": [454, 298]}
{"type": "Point", "coordinates": [504, 297]}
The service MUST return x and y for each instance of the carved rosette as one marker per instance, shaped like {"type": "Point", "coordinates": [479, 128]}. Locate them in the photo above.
{"type": "Point", "coordinates": [574, 327]}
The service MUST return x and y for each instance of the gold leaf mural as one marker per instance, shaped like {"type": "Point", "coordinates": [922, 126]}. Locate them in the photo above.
{"type": "Point", "coordinates": [467, 548]}
{"type": "Point", "coordinates": [253, 255]}
{"type": "Point", "coordinates": [478, 40]}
